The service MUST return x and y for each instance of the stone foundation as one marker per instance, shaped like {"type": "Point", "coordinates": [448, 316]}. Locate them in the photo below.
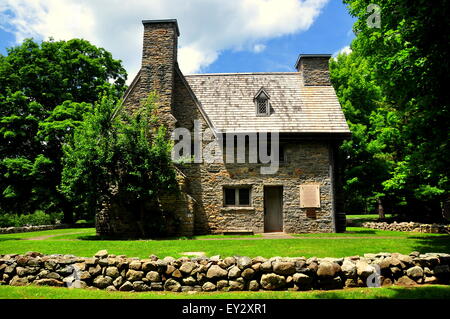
{"type": "Point", "coordinates": [110, 272]}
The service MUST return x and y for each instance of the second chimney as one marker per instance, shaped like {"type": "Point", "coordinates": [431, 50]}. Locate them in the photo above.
{"type": "Point", "coordinates": [314, 69]}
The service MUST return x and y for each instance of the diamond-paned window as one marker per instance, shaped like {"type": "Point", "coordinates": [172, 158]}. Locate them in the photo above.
{"type": "Point", "coordinates": [262, 106]}
{"type": "Point", "coordinates": [262, 103]}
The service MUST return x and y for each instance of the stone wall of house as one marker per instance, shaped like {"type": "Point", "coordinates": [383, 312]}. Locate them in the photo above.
{"type": "Point", "coordinates": [234, 273]}
{"type": "Point", "coordinates": [307, 163]}
{"type": "Point", "coordinates": [409, 227]}
{"type": "Point", "coordinates": [315, 70]}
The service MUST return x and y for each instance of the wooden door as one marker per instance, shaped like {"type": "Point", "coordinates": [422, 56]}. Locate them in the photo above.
{"type": "Point", "coordinates": [273, 208]}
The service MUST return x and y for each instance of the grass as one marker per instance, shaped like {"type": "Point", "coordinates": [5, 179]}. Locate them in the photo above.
{"type": "Point", "coordinates": [423, 292]}
{"type": "Point", "coordinates": [357, 241]}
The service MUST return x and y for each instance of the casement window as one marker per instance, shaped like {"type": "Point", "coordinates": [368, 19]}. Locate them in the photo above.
{"type": "Point", "coordinates": [237, 196]}
{"type": "Point", "coordinates": [262, 103]}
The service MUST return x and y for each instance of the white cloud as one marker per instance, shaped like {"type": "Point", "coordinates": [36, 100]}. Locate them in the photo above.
{"type": "Point", "coordinates": [345, 50]}
{"type": "Point", "coordinates": [207, 26]}
{"type": "Point", "coordinates": [257, 48]}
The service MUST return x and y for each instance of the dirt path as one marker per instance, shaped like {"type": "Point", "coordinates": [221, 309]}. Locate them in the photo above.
{"type": "Point", "coordinates": [50, 236]}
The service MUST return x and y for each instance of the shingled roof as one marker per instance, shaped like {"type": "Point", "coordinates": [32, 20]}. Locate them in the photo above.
{"type": "Point", "coordinates": [228, 100]}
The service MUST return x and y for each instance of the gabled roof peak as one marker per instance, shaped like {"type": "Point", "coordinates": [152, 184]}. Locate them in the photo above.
{"type": "Point", "coordinates": [261, 93]}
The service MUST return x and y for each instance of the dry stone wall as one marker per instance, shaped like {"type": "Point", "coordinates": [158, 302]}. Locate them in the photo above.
{"type": "Point", "coordinates": [409, 227]}
{"type": "Point", "coordinates": [238, 273]}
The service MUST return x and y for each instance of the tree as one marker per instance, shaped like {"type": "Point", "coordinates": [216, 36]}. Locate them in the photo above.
{"type": "Point", "coordinates": [408, 57]}
{"type": "Point", "coordinates": [45, 90]}
{"type": "Point", "coordinates": [116, 156]}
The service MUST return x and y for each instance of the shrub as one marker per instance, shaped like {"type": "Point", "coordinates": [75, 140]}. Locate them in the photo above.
{"type": "Point", "coordinates": [35, 219]}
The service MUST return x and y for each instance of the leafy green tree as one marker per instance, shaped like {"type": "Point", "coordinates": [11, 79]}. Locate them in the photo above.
{"type": "Point", "coordinates": [408, 57]}
{"type": "Point", "coordinates": [116, 156]}
{"type": "Point", "coordinates": [45, 89]}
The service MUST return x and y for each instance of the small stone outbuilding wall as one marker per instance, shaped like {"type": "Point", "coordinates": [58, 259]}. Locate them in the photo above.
{"type": "Point", "coordinates": [113, 273]}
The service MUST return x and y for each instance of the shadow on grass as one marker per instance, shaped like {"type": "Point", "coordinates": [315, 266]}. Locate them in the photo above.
{"type": "Point", "coordinates": [395, 292]}
{"type": "Point", "coordinates": [113, 238]}
{"type": "Point", "coordinates": [10, 238]}
{"type": "Point", "coordinates": [365, 231]}
{"type": "Point", "coordinates": [439, 244]}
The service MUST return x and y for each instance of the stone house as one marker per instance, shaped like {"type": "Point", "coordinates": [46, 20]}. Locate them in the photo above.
{"type": "Point", "coordinates": [302, 107]}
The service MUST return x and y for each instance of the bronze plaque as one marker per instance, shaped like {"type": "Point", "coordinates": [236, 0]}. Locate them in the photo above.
{"type": "Point", "coordinates": [310, 196]}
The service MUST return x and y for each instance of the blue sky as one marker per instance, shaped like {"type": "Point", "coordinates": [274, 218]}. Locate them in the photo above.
{"type": "Point", "coordinates": [216, 36]}
{"type": "Point", "coordinates": [331, 32]}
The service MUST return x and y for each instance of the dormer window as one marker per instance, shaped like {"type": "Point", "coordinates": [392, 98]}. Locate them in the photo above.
{"type": "Point", "coordinates": [262, 103]}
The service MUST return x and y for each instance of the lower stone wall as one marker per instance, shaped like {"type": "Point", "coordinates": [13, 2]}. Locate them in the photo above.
{"type": "Point", "coordinates": [409, 227]}
{"type": "Point", "coordinates": [112, 273]}
{"type": "Point", "coordinates": [25, 229]}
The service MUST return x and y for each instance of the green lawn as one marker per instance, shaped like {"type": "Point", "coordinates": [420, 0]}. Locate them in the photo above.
{"type": "Point", "coordinates": [34, 292]}
{"type": "Point", "coordinates": [356, 241]}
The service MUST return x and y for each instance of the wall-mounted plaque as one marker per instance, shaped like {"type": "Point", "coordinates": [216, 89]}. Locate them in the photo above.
{"type": "Point", "coordinates": [310, 196]}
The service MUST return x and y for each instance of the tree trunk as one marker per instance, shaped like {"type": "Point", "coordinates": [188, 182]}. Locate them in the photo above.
{"type": "Point", "coordinates": [67, 211]}
{"type": "Point", "coordinates": [380, 209]}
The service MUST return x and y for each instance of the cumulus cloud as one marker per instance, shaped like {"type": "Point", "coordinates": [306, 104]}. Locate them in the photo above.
{"type": "Point", "coordinates": [257, 48]}
{"type": "Point", "coordinates": [345, 50]}
{"type": "Point", "coordinates": [207, 27]}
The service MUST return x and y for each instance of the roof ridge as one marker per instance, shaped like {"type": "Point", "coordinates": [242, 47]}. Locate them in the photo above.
{"type": "Point", "coordinates": [241, 73]}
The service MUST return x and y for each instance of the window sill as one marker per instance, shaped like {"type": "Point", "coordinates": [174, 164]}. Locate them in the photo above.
{"type": "Point", "coordinates": [237, 208]}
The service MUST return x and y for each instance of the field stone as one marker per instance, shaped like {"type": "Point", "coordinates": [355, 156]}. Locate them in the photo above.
{"type": "Point", "coordinates": [140, 286]}
{"type": "Point", "coordinates": [172, 285]}
{"type": "Point", "coordinates": [222, 285]}
{"type": "Point", "coordinates": [266, 266]}
{"type": "Point", "coordinates": [153, 276]}
{"type": "Point", "coordinates": [118, 281]}
{"type": "Point", "coordinates": [111, 288]}
{"type": "Point", "coordinates": [328, 269]}
{"type": "Point", "coordinates": [135, 265]}
{"type": "Point", "coordinates": [101, 254]}
{"type": "Point", "coordinates": [348, 269]}
{"type": "Point", "coordinates": [95, 270]}
{"type": "Point", "coordinates": [149, 266]}
{"type": "Point", "coordinates": [112, 272]}
{"type": "Point", "coordinates": [248, 273]}
{"type": "Point", "coordinates": [102, 281]}
{"type": "Point", "coordinates": [283, 268]}
{"type": "Point", "coordinates": [244, 262]}
{"type": "Point", "coordinates": [304, 282]}
{"type": "Point", "coordinates": [272, 281]}
{"type": "Point", "coordinates": [49, 282]}
{"type": "Point", "coordinates": [253, 285]}
{"type": "Point", "coordinates": [405, 281]}
{"type": "Point", "coordinates": [234, 272]}
{"type": "Point", "coordinates": [415, 272]}
{"type": "Point", "coordinates": [363, 269]}
{"type": "Point", "coordinates": [229, 261]}
{"type": "Point", "coordinates": [215, 272]}
{"type": "Point", "coordinates": [127, 286]}
{"type": "Point", "coordinates": [189, 281]}
{"type": "Point", "coordinates": [134, 275]}
{"type": "Point", "coordinates": [177, 274]}
{"type": "Point", "coordinates": [17, 281]}
{"type": "Point", "coordinates": [187, 267]}
{"type": "Point", "coordinates": [236, 285]}
{"type": "Point", "coordinates": [208, 286]}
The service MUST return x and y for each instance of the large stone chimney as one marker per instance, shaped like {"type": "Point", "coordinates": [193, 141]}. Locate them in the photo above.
{"type": "Point", "coordinates": [159, 57]}
{"type": "Point", "coordinates": [314, 69]}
